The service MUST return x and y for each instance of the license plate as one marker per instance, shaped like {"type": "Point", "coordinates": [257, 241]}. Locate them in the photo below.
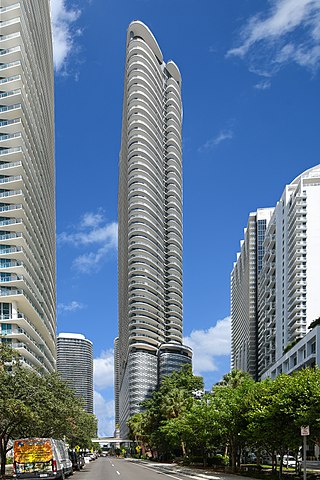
{"type": "Point", "coordinates": [43, 475]}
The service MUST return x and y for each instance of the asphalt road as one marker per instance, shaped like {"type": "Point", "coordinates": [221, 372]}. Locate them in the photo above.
{"type": "Point", "coordinates": [111, 468]}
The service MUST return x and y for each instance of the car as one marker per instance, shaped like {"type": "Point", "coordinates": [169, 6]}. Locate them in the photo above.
{"type": "Point", "coordinates": [288, 461]}
{"type": "Point", "coordinates": [81, 459]}
{"type": "Point", "coordinates": [88, 457]}
{"type": "Point", "coordinates": [76, 459]}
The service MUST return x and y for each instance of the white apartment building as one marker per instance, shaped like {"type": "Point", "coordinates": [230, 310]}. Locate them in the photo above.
{"type": "Point", "coordinates": [275, 283]}
{"type": "Point", "coordinates": [75, 365]}
{"type": "Point", "coordinates": [244, 291]}
{"type": "Point", "coordinates": [27, 178]}
{"type": "Point", "coordinates": [150, 222]}
{"type": "Point", "coordinates": [289, 297]}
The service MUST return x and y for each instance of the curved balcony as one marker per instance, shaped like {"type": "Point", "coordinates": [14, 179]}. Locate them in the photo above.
{"type": "Point", "coordinates": [10, 26]}
{"type": "Point", "coordinates": [10, 126]}
{"type": "Point", "coordinates": [11, 196]}
{"type": "Point", "coordinates": [11, 68]}
{"type": "Point", "coordinates": [9, 41]}
{"type": "Point", "coordinates": [10, 112]}
{"type": "Point", "coordinates": [10, 12]}
{"type": "Point", "coordinates": [14, 182]}
{"type": "Point", "coordinates": [10, 97]}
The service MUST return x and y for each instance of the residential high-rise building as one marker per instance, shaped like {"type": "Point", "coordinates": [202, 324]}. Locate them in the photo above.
{"type": "Point", "coordinates": [150, 221]}
{"type": "Point", "coordinates": [27, 178]}
{"type": "Point", "coordinates": [244, 294]}
{"type": "Point", "coordinates": [75, 365]}
{"type": "Point", "coordinates": [116, 383]}
{"type": "Point", "coordinates": [289, 295]}
{"type": "Point", "coordinates": [279, 292]}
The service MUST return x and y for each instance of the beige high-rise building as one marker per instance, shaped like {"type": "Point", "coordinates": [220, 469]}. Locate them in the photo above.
{"type": "Point", "coordinates": [150, 224]}
{"type": "Point", "coordinates": [27, 178]}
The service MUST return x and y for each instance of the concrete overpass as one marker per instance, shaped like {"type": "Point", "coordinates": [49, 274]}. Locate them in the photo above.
{"type": "Point", "coordinates": [113, 442]}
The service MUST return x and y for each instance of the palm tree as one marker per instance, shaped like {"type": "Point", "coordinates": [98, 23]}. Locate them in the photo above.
{"type": "Point", "coordinates": [234, 378]}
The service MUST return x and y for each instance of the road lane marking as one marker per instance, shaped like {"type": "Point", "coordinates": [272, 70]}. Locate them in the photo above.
{"type": "Point", "coordinates": [118, 472]}
{"type": "Point", "coordinates": [163, 473]}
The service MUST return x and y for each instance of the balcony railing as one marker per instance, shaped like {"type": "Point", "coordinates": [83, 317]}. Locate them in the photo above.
{"type": "Point", "coordinates": [10, 165]}
{"type": "Point", "coordinates": [10, 64]}
{"type": "Point", "coordinates": [9, 136]}
{"type": "Point", "coordinates": [10, 193]}
{"type": "Point", "coordinates": [10, 179]}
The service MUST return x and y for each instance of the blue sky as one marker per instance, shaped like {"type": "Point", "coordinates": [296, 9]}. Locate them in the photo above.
{"type": "Point", "coordinates": [250, 72]}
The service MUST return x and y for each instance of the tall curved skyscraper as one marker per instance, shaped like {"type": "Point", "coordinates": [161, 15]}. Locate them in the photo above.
{"type": "Point", "coordinates": [27, 178]}
{"type": "Point", "coordinates": [75, 365]}
{"type": "Point", "coordinates": [150, 223]}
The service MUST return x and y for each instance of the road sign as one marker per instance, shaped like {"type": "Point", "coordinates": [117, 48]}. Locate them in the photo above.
{"type": "Point", "coordinates": [305, 431]}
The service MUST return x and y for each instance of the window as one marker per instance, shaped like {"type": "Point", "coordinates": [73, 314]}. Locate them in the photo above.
{"type": "Point", "coordinates": [5, 311]}
{"type": "Point", "coordinates": [6, 329]}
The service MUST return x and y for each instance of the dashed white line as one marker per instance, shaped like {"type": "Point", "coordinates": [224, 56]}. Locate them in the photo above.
{"type": "Point", "coordinates": [163, 473]}
{"type": "Point", "coordinates": [118, 472]}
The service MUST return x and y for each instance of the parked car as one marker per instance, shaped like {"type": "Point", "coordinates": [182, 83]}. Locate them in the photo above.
{"type": "Point", "coordinates": [81, 459]}
{"type": "Point", "coordinates": [87, 457]}
{"type": "Point", "coordinates": [41, 458]}
{"type": "Point", "coordinates": [288, 461]}
{"type": "Point", "coordinates": [76, 459]}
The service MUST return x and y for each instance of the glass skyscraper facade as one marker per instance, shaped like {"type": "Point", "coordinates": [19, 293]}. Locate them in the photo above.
{"type": "Point", "coordinates": [244, 294]}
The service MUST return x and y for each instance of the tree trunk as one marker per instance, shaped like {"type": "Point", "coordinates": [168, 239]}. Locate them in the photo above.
{"type": "Point", "coordinates": [258, 461]}
{"type": "Point", "coordinates": [183, 447]}
{"type": "Point", "coordinates": [234, 451]}
{"type": "Point", "coordinates": [3, 455]}
{"type": "Point", "coordinates": [281, 467]}
{"type": "Point", "coordinates": [204, 456]}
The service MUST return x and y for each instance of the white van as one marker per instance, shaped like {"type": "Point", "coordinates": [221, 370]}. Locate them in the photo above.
{"type": "Point", "coordinates": [41, 458]}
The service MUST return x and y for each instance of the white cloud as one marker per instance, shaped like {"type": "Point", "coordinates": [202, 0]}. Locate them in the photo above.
{"type": "Point", "coordinates": [103, 368]}
{"type": "Point", "coordinates": [91, 219]}
{"type": "Point", "coordinates": [289, 32]}
{"type": "Point", "coordinates": [264, 85]}
{"type": "Point", "coordinates": [92, 230]}
{"type": "Point", "coordinates": [209, 344]}
{"type": "Point", "coordinates": [107, 233]}
{"type": "Point", "coordinates": [91, 262]}
{"type": "Point", "coordinates": [213, 142]}
{"type": "Point", "coordinates": [104, 411]}
{"type": "Point", "coordinates": [63, 35]}
{"type": "Point", "coordinates": [70, 307]}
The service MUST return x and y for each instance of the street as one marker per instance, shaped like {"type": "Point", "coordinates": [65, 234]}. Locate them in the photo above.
{"type": "Point", "coordinates": [111, 468]}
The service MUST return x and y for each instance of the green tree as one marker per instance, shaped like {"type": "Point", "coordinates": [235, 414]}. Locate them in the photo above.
{"type": "Point", "coordinates": [231, 402]}
{"type": "Point", "coordinates": [158, 425]}
{"type": "Point", "coordinates": [35, 405]}
{"type": "Point", "coordinates": [280, 407]}
{"type": "Point", "coordinates": [18, 387]}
